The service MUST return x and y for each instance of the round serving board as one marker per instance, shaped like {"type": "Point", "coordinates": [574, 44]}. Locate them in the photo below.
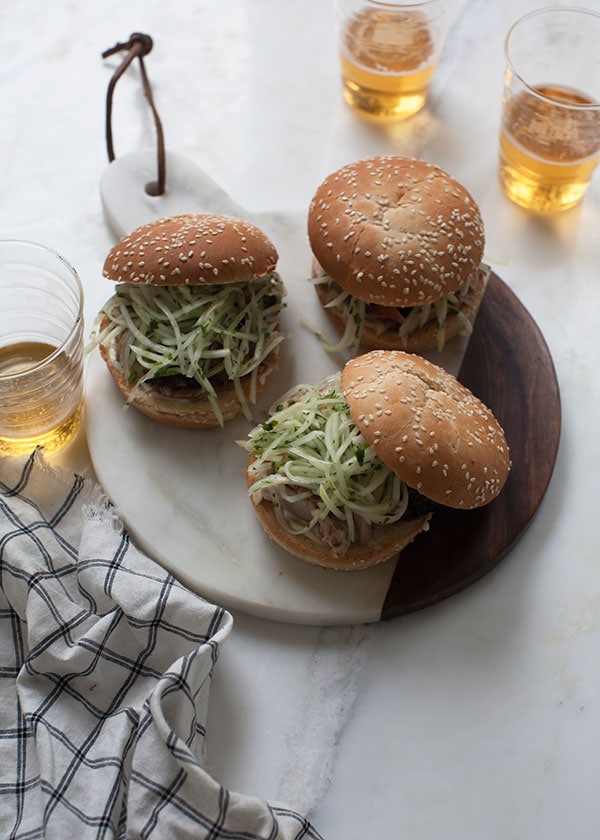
{"type": "Point", "coordinates": [508, 365]}
{"type": "Point", "coordinates": [182, 494]}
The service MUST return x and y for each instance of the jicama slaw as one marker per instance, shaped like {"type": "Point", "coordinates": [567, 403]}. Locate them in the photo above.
{"type": "Point", "coordinates": [359, 314]}
{"type": "Point", "coordinates": [205, 333]}
{"type": "Point", "coordinates": [311, 461]}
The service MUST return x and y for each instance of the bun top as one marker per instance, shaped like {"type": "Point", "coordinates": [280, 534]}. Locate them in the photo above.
{"type": "Point", "coordinates": [395, 230]}
{"type": "Point", "coordinates": [194, 249]}
{"type": "Point", "coordinates": [427, 427]}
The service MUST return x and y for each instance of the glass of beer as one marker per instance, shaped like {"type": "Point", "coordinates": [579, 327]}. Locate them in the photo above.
{"type": "Point", "coordinates": [388, 54]}
{"type": "Point", "coordinates": [550, 129]}
{"type": "Point", "coordinates": [41, 348]}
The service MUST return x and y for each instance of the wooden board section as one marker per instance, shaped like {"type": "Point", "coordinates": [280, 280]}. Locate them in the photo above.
{"type": "Point", "coordinates": [508, 366]}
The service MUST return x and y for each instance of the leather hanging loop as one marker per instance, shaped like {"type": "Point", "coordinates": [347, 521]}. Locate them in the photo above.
{"type": "Point", "coordinates": [138, 46]}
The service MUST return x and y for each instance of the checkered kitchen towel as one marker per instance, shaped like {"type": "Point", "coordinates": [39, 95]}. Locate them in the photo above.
{"type": "Point", "coordinates": [105, 669]}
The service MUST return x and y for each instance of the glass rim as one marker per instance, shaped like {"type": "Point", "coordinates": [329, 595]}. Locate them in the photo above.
{"type": "Point", "coordinates": [389, 4]}
{"type": "Point", "coordinates": [552, 10]}
{"type": "Point", "coordinates": [77, 323]}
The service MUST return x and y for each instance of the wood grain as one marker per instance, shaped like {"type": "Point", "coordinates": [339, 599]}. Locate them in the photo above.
{"type": "Point", "coordinates": [509, 367]}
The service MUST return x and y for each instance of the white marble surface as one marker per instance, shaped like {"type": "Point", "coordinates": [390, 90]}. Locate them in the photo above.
{"type": "Point", "coordinates": [477, 718]}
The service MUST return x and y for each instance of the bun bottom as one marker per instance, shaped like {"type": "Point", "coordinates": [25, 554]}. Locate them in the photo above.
{"type": "Point", "coordinates": [418, 341]}
{"type": "Point", "coordinates": [387, 541]}
{"type": "Point", "coordinates": [187, 412]}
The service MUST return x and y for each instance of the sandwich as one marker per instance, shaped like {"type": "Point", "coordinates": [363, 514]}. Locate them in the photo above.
{"type": "Point", "coordinates": [192, 332]}
{"type": "Point", "coordinates": [397, 246]}
{"type": "Point", "coordinates": [345, 473]}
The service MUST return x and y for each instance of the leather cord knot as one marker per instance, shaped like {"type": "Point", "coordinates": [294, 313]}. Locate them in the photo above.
{"type": "Point", "coordinates": [138, 46]}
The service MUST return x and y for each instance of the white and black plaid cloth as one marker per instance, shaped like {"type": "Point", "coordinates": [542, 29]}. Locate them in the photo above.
{"type": "Point", "coordinates": [105, 669]}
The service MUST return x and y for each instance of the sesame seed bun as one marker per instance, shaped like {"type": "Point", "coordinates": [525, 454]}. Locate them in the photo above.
{"type": "Point", "coordinates": [194, 249]}
{"type": "Point", "coordinates": [427, 427]}
{"type": "Point", "coordinates": [395, 231]}
{"type": "Point", "coordinates": [430, 430]}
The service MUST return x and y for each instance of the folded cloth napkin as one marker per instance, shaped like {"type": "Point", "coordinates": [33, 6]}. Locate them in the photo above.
{"type": "Point", "coordinates": [105, 669]}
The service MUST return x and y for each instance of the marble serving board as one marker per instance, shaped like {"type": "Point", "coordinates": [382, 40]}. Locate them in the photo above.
{"type": "Point", "coordinates": [183, 497]}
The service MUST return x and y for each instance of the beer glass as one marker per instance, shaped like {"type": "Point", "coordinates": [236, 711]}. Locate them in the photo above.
{"type": "Point", "coordinates": [550, 129]}
{"type": "Point", "coordinates": [41, 348]}
{"type": "Point", "coordinates": [388, 54]}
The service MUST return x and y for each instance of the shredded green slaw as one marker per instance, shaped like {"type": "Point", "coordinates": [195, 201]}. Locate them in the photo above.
{"type": "Point", "coordinates": [357, 317]}
{"type": "Point", "coordinates": [310, 451]}
{"type": "Point", "coordinates": [205, 333]}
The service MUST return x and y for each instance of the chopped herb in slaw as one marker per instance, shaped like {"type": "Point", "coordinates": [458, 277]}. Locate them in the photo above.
{"type": "Point", "coordinates": [205, 333]}
{"type": "Point", "coordinates": [323, 479]}
{"type": "Point", "coordinates": [359, 314]}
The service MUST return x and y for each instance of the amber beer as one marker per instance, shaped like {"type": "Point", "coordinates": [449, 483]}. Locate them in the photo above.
{"type": "Point", "coordinates": [388, 55]}
{"type": "Point", "coordinates": [549, 147]}
{"type": "Point", "coordinates": [550, 128]}
{"type": "Point", "coordinates": [41, 348]}
{"type": "Point", "coordinates": [45, 412]}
